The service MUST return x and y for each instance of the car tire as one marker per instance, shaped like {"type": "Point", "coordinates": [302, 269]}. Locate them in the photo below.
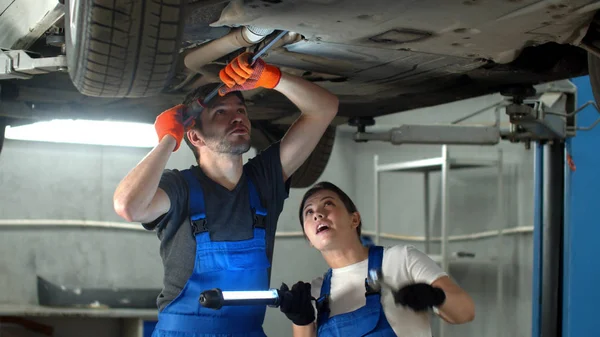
{"type": "Point", "coordinates": [264, 134]}
{"type": "Point", "coordinates": [122, 48]}
{"type": "Point", "coordinates": [594, 73]}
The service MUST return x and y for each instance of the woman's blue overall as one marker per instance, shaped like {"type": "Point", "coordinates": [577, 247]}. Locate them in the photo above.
{"type": "Point", "coordinates": [369, 320]}
{"type": "Point", "coordinates": [228, 265]}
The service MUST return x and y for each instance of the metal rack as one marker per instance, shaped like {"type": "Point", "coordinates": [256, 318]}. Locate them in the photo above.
{"type": "Point", "coordinates": [444, 164]}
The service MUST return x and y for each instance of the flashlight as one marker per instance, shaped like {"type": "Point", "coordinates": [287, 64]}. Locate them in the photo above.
{"type": "Point", "coordinates": [217, 298]}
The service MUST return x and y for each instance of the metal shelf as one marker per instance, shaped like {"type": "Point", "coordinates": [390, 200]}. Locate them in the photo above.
{"type": "Point", "coordinates": [464, 260]}
{"type": "Point", "coordinates": [444, 164]}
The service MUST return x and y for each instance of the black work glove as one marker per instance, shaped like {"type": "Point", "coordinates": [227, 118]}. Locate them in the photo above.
{"type": "Point", "coordinates": [296, 303]}
{"type": "Point", "coordinates": [419, 296]}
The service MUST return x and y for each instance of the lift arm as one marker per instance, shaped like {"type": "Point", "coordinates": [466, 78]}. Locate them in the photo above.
{"type": "Point", "coordinates": [533, 116]}
{"type": "Point", "coordinates": [435, 134]}
{"type": "Point", "coordinates": [20, 65]}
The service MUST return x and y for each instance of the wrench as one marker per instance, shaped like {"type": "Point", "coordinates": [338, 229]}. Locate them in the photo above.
{"type": "Point", "coordinates": [194, 109]}
{"type": "Point", "coordinates": [375, 280]}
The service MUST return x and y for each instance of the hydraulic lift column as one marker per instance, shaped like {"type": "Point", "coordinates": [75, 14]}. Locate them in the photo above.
{"type": "Point", "coordinates": [580, 294]}
{"type": "Point", "coordinates": [549, 199]}
{"type": "Point", "coordinates": [566, 229]}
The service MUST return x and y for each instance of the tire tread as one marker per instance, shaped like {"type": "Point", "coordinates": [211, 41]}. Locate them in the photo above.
{"type": "Point", "coordinates": [132, 47]}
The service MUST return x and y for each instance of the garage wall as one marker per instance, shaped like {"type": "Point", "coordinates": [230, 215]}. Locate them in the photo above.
{"type": "Point", "coordinates": [70, 182]}
{"type": "Point", "coordinates": [472, 209]}
{"type": "Point", "coordinates": [76, 182]}
{"type": "Point", "coordinates": [59, 181]}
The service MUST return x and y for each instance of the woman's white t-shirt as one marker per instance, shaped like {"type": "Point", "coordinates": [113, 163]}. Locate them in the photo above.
{"type": "Point", "coordinates": [401, 265]}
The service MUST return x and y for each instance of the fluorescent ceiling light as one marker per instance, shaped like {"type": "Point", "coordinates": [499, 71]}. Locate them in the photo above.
{"type": "Point", "coordinates": [86, 132]}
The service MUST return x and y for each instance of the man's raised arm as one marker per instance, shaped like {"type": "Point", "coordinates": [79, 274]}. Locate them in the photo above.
{"type": "Point", "coordinates": [318, 107]}
{"type": "Point", "coordinates": [137, 198]}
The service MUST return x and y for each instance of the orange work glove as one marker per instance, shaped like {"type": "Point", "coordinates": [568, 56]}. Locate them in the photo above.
{"type": "Point", "coordinates": [170, 122]}
{"type": "Point", "coordinates": [239, 75]}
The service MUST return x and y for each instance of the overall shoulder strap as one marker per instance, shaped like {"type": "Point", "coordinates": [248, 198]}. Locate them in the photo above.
{"type": "Point", "coordinates": [375, 257]}
{"type": "Point", "coordinates": [259, 211]}
{"type": "Point", "coordinates": [322, 303]}
{"type": "Point", "coordinates": [326, 286]}
{"type": "Point", "coordinates": [196, 205]}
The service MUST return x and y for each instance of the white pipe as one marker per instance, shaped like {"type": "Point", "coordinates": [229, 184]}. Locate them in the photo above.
{"type": "Point", "coordinates": [69, 223]}
{"type": "Point", "coordinates": [454, 238]}
{"type": "Point", "coordinates": [376, 197]}
{"type": "Point", "coordinates": [291, 234]}
{"type": "Point", "coordinates": [55, 223]}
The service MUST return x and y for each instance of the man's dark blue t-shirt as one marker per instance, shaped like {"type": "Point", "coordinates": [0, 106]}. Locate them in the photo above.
{"type": "Point", "coordinates": [228, 215]}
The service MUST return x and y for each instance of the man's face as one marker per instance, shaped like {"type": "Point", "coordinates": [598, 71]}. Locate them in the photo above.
{"type": "Point", "coordinates": [225, 126]}
{"type": "Point", "coordinates": [327, 223]}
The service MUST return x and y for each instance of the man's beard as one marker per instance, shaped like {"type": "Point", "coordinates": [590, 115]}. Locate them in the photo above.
{"type": "Point", "coordinates": [226, 146]}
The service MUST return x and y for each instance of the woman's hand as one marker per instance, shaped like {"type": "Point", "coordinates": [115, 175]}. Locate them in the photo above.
{"type": "Point", "coordinates": [420, 296]}
{"type": "Point", "coordinates": [296, 303]}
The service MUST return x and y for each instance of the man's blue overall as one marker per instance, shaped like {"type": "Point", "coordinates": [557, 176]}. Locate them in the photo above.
{"type": "Point", "coordinates": [228, 265]}
{"type": "Point", "coordinates": [369, 320]}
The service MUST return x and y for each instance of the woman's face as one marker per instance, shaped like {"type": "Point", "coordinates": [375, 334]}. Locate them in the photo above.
{"type": "Point", "coordinates": [327, 222]}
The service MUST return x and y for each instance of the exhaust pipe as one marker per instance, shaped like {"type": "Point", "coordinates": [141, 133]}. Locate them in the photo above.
{"type": "Point", "coordinates": [238, 38]}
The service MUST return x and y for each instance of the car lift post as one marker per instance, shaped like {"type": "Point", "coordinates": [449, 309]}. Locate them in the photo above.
{"type": "Point", "coordinates": [580, 271]}
{"type": "Point", "coordinates": [548, 227]}
{"type": "Point", "coordinates": [544, 116]}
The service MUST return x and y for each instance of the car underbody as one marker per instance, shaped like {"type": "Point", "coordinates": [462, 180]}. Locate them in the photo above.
{"type": "Point", "coordinates": [379, 57]}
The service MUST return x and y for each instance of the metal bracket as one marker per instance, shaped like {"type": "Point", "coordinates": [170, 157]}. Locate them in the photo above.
{"type": "Point", "coordinates": [18, 64]}
{"type": "Point", "coordinates": [539, 117]}
{"type": "Point", "coordinates": [546, 117]}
